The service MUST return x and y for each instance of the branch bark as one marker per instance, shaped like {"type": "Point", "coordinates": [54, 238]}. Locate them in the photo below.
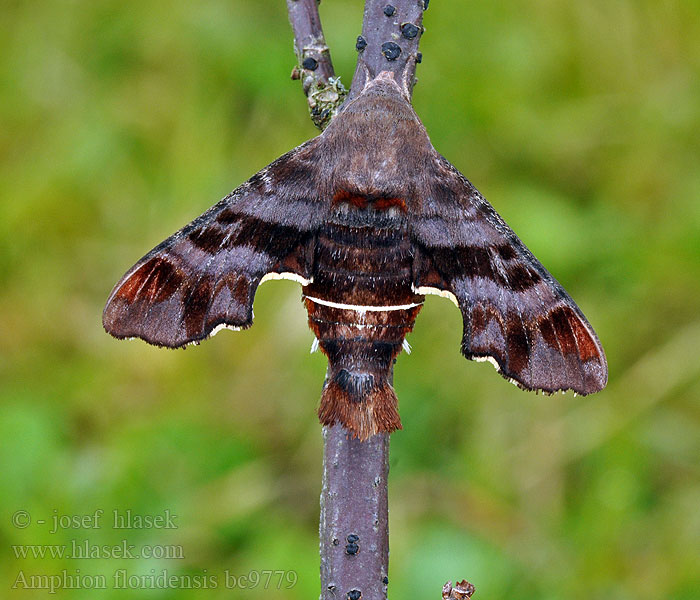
{"type": "Point", "coordinates": [391, 32]}
{"type": "Point", "coordinates": [354, 524]}
{"type": "Point", "coordinates": [322, 88]}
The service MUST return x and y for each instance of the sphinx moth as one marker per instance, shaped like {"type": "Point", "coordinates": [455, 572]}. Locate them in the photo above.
{"type": "Point", "coordinates": [369, 218]}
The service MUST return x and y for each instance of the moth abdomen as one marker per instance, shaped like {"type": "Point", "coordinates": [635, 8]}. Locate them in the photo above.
{"type": "Point", "coordinates": [357, 393]}
{"type": "Point", "coordinates": [361, 306]}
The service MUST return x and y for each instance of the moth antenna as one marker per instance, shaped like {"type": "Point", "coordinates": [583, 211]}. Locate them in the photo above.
{"type": "Point", "coordinates": [314, 346]}
{"type": "Point", "coordinates": [406, 346]}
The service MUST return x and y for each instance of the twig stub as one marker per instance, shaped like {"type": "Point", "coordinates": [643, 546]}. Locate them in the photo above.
{"type": "Point", "coordinates": [462, 590]}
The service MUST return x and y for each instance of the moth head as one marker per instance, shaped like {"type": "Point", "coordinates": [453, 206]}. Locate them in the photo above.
{"type": "Point", "coordinates": [385, 79]}
{"type": "Point", "coordinates": [385, 85]}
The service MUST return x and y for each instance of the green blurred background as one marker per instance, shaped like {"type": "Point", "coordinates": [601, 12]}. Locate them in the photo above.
{"type": "Point", "coordinates": [580, 121]}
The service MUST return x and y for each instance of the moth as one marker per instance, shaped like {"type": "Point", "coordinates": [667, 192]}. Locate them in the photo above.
{"type": "Point", "coordinates": [369, 218]}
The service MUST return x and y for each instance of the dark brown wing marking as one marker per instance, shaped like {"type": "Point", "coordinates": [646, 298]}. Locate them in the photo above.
{"type": "Point", "coordinates": [205, 275]}
{"type": "Point", "coordinates": [515, 313]}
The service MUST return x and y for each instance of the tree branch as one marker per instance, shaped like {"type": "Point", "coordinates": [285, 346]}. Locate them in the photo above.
{"type": "Point", "coordinates": [354, 522]}
{"type": "Point", "coordinates": [354, 527]}
{"type": "Point", "coordinates": [391, 32]}
{"type": "Point", "coordinates": [322, 88]}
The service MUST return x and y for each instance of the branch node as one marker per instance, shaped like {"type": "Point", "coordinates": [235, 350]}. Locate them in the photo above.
{"type": "Point", "coordinates": [314, 68]}
{"type": "Point", "coordinates": [324, 99]}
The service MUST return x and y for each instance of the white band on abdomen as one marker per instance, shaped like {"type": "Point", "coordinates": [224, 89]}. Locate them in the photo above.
{"type": "Point", "coordinates": [360, 308]}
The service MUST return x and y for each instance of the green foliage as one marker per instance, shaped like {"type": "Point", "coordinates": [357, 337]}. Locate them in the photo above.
{"type": "Point", "coordinates": [580, 121]}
